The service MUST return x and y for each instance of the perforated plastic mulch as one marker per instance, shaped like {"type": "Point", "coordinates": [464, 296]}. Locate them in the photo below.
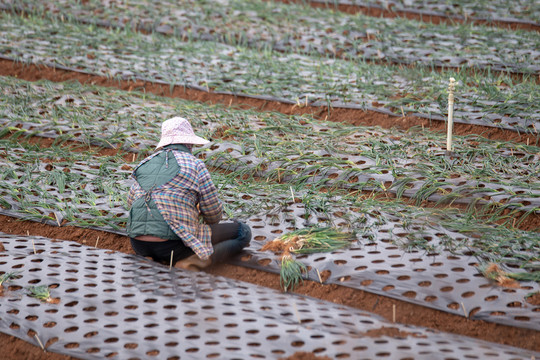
{"type": "Point", "coordinates": [442, 280]}
{"type": "Point", "coordinates": [466, 189]}
{"type": "Point", "coordinates": [119, 306]}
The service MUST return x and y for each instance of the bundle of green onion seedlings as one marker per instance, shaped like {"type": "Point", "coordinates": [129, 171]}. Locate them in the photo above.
{"type": "Point", "coordinates": [304, 241]}
{"type": "Point", "coordinates": [494, 272]}
{"type": "Point", "coordinates": [291, 272]}
{"type": "Point", "coordinates": [310, 240]}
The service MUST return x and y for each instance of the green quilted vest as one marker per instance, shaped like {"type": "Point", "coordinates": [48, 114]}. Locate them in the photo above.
{"type": "Point", "coordinates": [144, 216]}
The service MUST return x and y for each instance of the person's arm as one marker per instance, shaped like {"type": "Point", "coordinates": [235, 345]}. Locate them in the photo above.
{"type": "Point", "coordinates": [210, 206]}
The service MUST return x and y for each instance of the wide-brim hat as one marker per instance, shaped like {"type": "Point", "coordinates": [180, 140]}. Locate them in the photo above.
{"type": "Point", "coordinates": [178, 131]}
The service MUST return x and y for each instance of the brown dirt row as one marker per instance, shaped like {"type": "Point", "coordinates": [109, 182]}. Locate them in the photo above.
{"type": "Point", "coordinates": [435, 19]}
{"type": "Point", "coordinates": [406, 313]}
{"type": "Point", "coordinates": [31, 72]}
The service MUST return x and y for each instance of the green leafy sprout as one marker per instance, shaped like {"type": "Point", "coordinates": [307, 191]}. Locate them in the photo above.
{"type": "Point", "coordinates": [8, 277]}
{"type": "Point", "coordinates": [291, 272]}
{"type": "Point", "coordinates": [41, 292]}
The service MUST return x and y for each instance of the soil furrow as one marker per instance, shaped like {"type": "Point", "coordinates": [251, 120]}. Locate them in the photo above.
{"type": "Point", "coordinates": [32, 72]}
{"type": "Point", "coordinates": [412, 15]}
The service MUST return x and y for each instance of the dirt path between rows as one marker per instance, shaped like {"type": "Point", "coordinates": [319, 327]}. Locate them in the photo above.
{"type": "Point", "coordinates": [31, 72]}
{"type": "Point", "coordinates": [411, 15]}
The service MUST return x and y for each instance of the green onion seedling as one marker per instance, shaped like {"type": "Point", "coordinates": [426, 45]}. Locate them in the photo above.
{"type": "Point", "coordinates": [7, 277]}
{"type": "Point", "coordinates": [42, 293]}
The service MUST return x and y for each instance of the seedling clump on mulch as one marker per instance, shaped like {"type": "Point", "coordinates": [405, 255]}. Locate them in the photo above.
{"type": "Point", "coordinates": [310, 240]}
{"type": "Point", "coordinates": [291, 272]}
{"type": "Point", "coordinates": [304, 241]}
{"type": "Point", "coordinates": [5, 278]}
{"type": "Point", "coordinates": [42, 293]}
{"type": "Point", "coordinates": [507, 279]}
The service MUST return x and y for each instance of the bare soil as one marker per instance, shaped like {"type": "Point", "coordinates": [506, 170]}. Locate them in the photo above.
{"type": "Point", "coordinates": [389, 12]}
{"type": "Point", "coordinates": [406, 313]}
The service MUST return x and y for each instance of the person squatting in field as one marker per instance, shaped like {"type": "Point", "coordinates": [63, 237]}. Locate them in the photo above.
{"type": "Point", "coordinates": [174, 206]}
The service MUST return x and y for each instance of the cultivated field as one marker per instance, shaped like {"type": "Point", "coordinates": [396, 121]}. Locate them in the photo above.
{"type": "Point", "coordinates": [320, 115]}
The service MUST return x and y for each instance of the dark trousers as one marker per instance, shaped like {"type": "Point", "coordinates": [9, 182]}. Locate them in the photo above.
{"type": "Point", "coordinates": [228, 239]}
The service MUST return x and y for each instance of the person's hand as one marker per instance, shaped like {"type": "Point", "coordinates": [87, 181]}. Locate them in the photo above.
{"type": "Point", "coordinates": [201, 217]}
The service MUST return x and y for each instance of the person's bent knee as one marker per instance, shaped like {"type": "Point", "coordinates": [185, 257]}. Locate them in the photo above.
{"type": "Point", "coordinates": [244, 234]}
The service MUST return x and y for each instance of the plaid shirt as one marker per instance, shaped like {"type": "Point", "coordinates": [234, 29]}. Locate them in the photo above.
{"type": "Point", "coordinates": [177, 202]}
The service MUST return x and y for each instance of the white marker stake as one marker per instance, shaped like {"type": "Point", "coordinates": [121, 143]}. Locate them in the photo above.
{"type": "Point", "coordinates": [450, 114]}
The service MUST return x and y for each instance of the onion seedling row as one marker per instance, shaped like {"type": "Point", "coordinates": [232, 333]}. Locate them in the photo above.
{"type": "Point", "coordinates": [505, 179]}
{"type": "Point", "coordinates": [294, 150]}
{"type": "Point", "coordinates": [297, 28]}
{"type": "Point", "coordinates": [57, 186]}
{"type": "Point", "coordinates": [491, 100]}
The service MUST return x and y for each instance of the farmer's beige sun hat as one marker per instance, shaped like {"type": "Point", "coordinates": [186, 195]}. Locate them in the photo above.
{"type": "Point", "coordinates": [178, 131]}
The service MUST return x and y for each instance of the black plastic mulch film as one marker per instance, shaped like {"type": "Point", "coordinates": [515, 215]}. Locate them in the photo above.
{"type": "Point", "coordinates": [120, 306]}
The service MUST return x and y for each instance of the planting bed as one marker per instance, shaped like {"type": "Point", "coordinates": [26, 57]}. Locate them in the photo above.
{"type": "Point", "coordinates": [109, 301]}
{"type": "Point", "coordinates": [428, 223]}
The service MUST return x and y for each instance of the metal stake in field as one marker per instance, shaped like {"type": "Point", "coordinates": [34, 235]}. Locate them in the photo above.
{"type": "Point", "coordinates": [451, 87]}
